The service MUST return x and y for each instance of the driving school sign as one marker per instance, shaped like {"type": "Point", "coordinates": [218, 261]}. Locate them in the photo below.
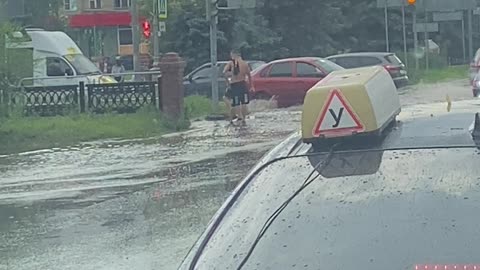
{"type": "Point", "coordinates": [337, 117]}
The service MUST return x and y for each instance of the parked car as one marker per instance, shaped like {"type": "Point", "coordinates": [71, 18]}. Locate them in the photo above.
{"type": "Point", "coordinates": [475, 67]}
{"type": "Point", "coordinates": [389, 60]}
{"type": "Point", "coordinates": [476, 85]}
{"type": "Point", "coordinates": [198, 82]}
{"type": "Point", "coordinates": [289, 79]}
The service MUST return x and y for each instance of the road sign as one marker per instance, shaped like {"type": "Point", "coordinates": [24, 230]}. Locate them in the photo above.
{"type": "Point", "coordinates": [426, 27]}
{"type": "Point", "coordinates": [390, 3]}
{"type": "Point", "coordinates": [162, 9]}
{"type": "Point", "coordinates": [337, 117]}
{"type": "Point", "coordinates": [162, 27]}
{"type": "Point", "coordinates": [447, 16]}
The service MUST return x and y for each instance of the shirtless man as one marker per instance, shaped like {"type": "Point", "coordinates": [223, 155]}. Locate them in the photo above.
{"type": "Point", "coordinates": [241, 82]}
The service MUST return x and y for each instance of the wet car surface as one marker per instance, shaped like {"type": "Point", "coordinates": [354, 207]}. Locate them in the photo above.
{"type": "Point", "coordinates": [408, 200]}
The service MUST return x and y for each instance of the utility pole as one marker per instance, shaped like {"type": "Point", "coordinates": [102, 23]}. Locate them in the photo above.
{"type": "Point", "coordinates": [427, 48]}
{"type": "Point", "coordinates": [405, 53]}
{"type": "Point", "coordinates": [156, 33]}
{"type": "Point", "coordinates": [463, 39]}
{"type": "Point", "coordinates": [415, 39]}
{"type": "Point", "coordinates": [135, 35]}
{"type": "Point", "coordinates": [470, 34]}
{"type": "Point", "coordinates": [387, 39]}
{"type": "Point", "coordinates": [212, 17]}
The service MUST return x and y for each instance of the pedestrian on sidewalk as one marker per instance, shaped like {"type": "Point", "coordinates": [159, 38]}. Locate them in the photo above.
{"type": "Point", "coordinates": [118, 69]}
{"type": "Point", "coordinates": [104, 64]}
{"type": "Point", "coordinates": [241, 82]}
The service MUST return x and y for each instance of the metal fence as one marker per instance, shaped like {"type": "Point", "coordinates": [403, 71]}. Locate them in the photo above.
{"type": "Point", "coordinates": [123, 98]}
{"type": "Point", "coordinates": [127, 97]}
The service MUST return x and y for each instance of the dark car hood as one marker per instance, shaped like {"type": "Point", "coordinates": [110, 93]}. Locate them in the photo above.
{"type": "Point", "coordinates": [402, 208]}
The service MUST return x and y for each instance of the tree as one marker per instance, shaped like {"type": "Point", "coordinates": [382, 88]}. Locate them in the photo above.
{"type": "Point", "coordinates": [45, 14]}
{"type": "Point", "coordinates": [314, 22]}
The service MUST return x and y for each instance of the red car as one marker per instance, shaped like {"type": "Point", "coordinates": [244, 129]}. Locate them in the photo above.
{"type": "Point", "coordinates": [289, 79]}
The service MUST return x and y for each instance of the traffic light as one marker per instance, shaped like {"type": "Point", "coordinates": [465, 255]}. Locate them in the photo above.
{"type": "Point", "coordinates": [147, 31]}
{"type": "Point", "coordinates": [411, 2]}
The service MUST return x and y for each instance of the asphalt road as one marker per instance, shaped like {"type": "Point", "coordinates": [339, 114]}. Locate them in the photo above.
{"type": "Point", "coordinates": [138, 204]}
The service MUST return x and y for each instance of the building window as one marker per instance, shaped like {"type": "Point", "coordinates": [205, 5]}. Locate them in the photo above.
{"type": "Point", "coordinates": [70, 5]}
{"type": "Point", "coordinates": [122, 3]}
{"type": "Point", "coordinates": [95, 4]}
{"type": "Point", "coordinates": [125, 36]}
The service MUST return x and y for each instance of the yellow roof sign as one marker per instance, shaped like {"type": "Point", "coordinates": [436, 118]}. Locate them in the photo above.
{"type": "Point", "coordinates": [349, 102]}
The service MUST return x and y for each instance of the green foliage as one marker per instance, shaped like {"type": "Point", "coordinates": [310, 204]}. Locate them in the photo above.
{"type": "Point", "coordinates": [19, 133]}
{"type": "Point", "coordinates": [29, 133]}
{"type": "Point", "coordinates": [284, 28]}
{"type": "Point", "coordinates": [45, 14]}
{"type": "Point", "coordinates": [200, 106]}
{"type": "Point", "coordinates": [436, 75]}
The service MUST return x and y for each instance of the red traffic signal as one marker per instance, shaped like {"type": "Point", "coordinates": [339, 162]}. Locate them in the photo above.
{"type": "Point", "coordinates": [411, 2]}
{"type": "Point", "coordinates": [147, 32]}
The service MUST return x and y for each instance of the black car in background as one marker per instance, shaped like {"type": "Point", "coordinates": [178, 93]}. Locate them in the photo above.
{"type": "Point", "coordinates": [198, 82]}
{"type": "Point", "coordinates": [365, 59]}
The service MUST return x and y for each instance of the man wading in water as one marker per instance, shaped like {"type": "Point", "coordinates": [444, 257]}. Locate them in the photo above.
{"type": "Point", "coordinates": [240, 74]}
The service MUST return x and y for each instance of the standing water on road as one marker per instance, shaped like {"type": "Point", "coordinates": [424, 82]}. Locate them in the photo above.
{"type": "Point", "coordinates": [128, 204]}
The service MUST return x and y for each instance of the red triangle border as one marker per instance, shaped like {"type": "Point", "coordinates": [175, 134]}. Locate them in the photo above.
{"type": "Point", "coordinates": [338, 131]}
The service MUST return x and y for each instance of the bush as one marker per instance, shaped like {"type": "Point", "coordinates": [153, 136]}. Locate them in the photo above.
{"type": "Point", "coordinates": [435, 61]}
{"type": "Point", "coordinates": [201, 106]}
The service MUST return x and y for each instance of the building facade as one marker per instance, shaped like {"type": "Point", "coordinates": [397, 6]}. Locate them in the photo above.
{"type": "Point", "coordinates": [101, 27]}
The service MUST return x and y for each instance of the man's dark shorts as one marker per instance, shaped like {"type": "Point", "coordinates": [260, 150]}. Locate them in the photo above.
{"type": "Point", "coordinates": [239, 94]}
{"type": "Point", "coordinates": [228, 93]}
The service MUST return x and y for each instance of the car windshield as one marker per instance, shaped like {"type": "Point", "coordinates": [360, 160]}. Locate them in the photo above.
{"type": "Point", "coordinates": [367, 210]}
{"type": "Point", "coordinates": [327, 65]}
{"type": "Point", "coordinates": [82, 64]}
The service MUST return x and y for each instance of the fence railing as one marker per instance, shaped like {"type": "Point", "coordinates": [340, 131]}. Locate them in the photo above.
{"type": "Point", "coordinates": [124, 98]}
{"type": "Point", "coordinates": [127, 97]}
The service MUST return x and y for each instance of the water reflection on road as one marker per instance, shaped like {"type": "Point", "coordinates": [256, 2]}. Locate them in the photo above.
{"type": "Point", "coordinates": [125, 205]}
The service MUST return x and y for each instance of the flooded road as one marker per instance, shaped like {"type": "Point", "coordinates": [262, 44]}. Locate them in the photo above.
{"type": "Point", "coordinates": [136, 204]}
{"type": "Point", "coordinates": [130, 204]}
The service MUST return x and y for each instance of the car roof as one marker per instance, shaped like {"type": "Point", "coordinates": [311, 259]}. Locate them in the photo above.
{"type": "Point", "coordinates": [373, 54]}
{"type": "Point", "coordinates": [427, 125]}
{"type": "Point", "coordinates": [222, 63]}
{"type": "Point", "coordinates": [226, 62]}
{"type": "Point", "coordinates": [448, 130]}
{"type": "Point", "coordinates": [295, 59]}
{"type": "Point", "coordinates": [419, 126]}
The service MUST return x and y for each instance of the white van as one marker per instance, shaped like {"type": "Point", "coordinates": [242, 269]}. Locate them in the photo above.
{"type": "Point", "coordinates": [56, 59]}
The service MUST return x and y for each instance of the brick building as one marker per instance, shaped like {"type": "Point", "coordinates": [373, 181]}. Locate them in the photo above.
{"type": "Point", "coordinates": [101, 27]}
